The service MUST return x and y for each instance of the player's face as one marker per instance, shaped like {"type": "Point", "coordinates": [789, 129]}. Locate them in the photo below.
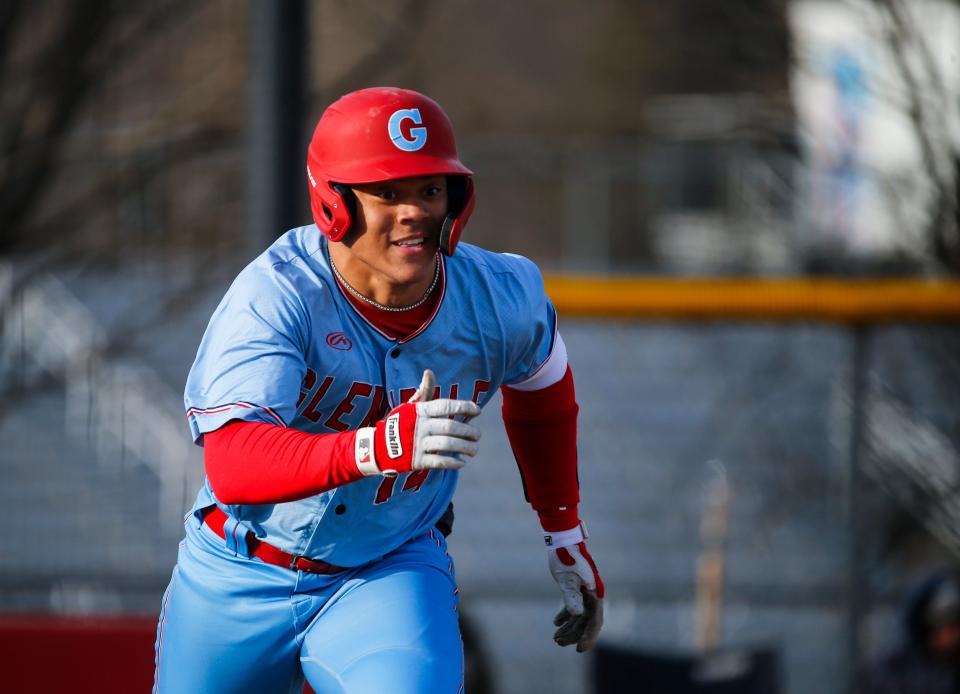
{"type": "Point", "coordinates": [396, 237]}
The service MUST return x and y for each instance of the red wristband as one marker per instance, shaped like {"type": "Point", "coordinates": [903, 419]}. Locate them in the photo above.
{"type": "Point", "coordinates": [555, 520]}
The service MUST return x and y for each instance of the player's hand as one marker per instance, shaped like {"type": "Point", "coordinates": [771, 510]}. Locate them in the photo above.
{"type": "Point", "coordinates": [581, 618]}
{"type": "Point", "coordinates": [421, 434]}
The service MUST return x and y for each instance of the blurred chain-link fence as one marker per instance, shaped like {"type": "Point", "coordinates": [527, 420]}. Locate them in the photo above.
{"type": "Point", "coordinates": [838, 443]}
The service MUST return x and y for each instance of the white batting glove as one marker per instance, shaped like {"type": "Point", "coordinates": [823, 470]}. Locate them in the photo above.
{"type": "Point", "coordinates": [582, 588]}
{"type": "Point", "coordinates": [419, 435]}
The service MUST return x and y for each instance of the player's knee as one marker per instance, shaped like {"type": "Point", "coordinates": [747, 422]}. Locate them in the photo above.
{"type": "Point", "coordinates": [395, 670]}
{"type": "Point", "coordinates": [406, 671]}
{"type": "Point", "coordinates": [322, 679]}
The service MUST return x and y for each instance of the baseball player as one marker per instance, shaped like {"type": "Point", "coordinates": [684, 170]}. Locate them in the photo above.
{"type": "Point", "coordinates": [332, 393]}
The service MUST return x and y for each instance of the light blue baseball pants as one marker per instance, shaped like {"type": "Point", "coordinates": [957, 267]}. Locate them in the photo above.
{"type": "Point", "coordinates": [234, 625]}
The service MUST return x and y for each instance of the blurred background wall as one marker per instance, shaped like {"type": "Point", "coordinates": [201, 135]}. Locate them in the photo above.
{"type": "Point", "coordinates": [149, 150]}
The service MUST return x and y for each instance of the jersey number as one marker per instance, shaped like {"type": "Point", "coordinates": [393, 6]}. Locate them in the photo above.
{"type": "Point", "coordinates": [413, 483]}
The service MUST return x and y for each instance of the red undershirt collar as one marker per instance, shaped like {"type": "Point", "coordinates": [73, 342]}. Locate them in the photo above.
{"type": "Point", "coordinates": [399, 325]}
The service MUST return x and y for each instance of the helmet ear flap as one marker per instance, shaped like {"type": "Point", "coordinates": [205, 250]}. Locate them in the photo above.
{"type": "Point", "coordinates": [334, 208]}
{"type": "Point", "coordinates": [348, 198]}
{"type": "Point", "coordinates": [461, 198]}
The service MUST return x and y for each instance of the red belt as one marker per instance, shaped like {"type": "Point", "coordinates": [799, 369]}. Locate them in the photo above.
{"type": "Point", "coordinates": [215, 518]}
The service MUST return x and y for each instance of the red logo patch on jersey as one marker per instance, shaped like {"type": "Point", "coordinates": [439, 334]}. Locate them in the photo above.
{"type": "Point", "coordinates": [339, 341]}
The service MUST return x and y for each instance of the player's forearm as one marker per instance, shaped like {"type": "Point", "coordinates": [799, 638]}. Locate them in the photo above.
{"type": "Point", "coordinates": [259, 463]}
{"type": "Point", "coordinates": [542, 428]}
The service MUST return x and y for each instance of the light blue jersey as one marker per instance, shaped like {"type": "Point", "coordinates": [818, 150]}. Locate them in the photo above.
{"type": "Point", "coordinates": [286, 347]}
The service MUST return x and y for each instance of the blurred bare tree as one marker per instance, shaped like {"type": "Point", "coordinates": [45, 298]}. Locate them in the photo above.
{"type": "Point", "coordinates": [123, 123]}
{"type": "Point", "coordinates": [69, 73]}
{"type": "Point", "coordinates": [42, 87]}
{"type": "Point", "coordinates": [929, 105]}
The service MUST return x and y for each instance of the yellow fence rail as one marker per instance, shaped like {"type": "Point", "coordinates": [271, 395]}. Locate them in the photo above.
{"type": "Point", "coordinates": [847, 301]}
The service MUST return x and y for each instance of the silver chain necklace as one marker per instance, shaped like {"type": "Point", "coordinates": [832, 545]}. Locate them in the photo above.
{"type": "Point", "coordinates": [368, 300]}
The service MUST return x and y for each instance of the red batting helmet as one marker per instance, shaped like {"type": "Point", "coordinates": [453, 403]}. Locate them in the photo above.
{"type": "Point", "coordinates": [380, 134]}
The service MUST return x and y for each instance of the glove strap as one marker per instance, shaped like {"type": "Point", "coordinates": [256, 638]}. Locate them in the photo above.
{"type": "Point", "coordinates": [364, 452]}
{"type": "Point", "coordinates": [566, 538]}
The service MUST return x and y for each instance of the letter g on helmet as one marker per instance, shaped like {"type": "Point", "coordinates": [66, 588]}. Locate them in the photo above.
{"type": "Point", "coordinates": [418, 136]}
{"type": "Point", "coordinates": [380, 134]}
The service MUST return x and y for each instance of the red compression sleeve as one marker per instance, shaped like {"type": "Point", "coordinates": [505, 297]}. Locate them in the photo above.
{"type": "Point", "coordinates": [542, 428]}
{"type": "Point", "coordinates": [259, 463]}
